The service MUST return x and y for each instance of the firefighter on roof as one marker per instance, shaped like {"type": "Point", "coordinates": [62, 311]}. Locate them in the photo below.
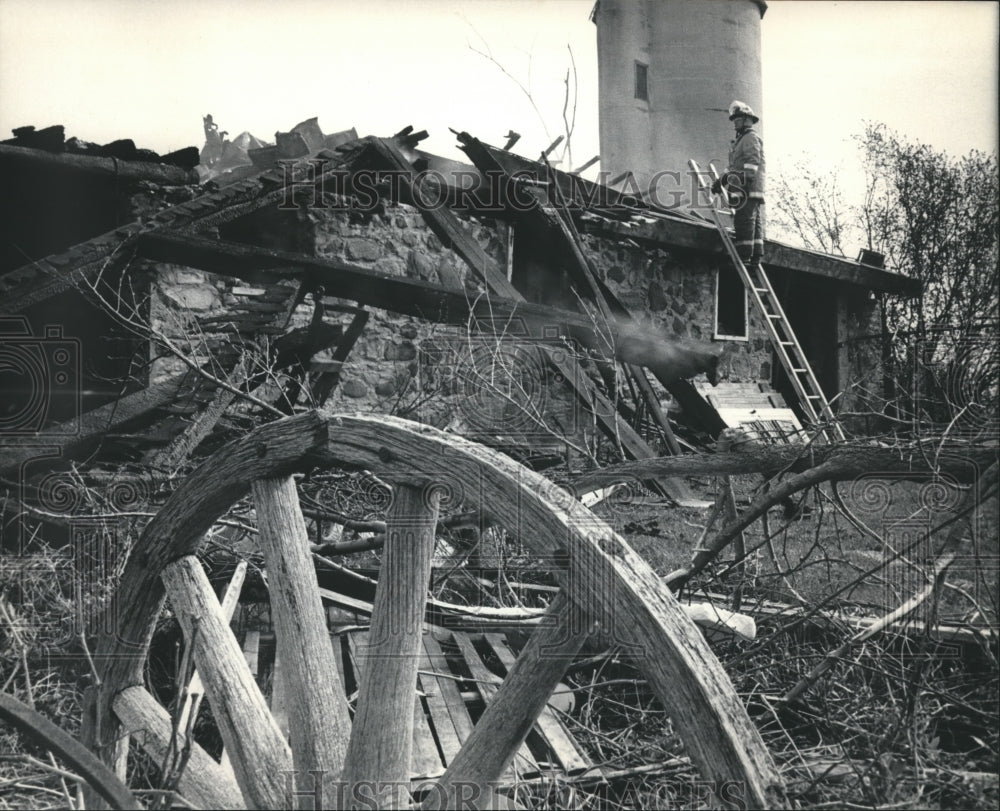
{"type": "Point", "coordinates": [744, 181]}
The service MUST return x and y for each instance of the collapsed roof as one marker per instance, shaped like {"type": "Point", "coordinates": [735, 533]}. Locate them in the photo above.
{"type": "Point", "coordinates": [248, 175]}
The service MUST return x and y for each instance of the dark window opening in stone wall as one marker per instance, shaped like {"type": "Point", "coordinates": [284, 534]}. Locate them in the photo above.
{"type": "Point", "coordinates": [641, 81]}
{"type": "Point", "coordinates": [68, 356]}
{"type": "Point", "coordinates": [536, 269]}
{"type": "Point", "coordinates": [730, 304]}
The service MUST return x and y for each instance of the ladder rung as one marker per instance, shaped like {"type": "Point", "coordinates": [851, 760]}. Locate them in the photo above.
{"type": "Point", "coordinates": [761, 289]}
{"type": "Point", "coordinates": [787, 343]}
{"type": "Point", "coordinates": [773, 315]}
{"type": "Point", "coordinates": [813, 396]}
{"type": "Point", "coordinates": [799, 371]}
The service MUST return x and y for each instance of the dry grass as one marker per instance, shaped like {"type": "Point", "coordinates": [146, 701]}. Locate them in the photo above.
{"type": "Point", "coordinates": [901, 721]}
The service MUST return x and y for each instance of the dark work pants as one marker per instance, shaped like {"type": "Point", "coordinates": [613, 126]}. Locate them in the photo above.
{"type": "Point", "coordinates": [749, 224]}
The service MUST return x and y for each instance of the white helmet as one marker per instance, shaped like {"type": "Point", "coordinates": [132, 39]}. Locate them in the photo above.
{"type": "Point", "coordinates": [738, 108]}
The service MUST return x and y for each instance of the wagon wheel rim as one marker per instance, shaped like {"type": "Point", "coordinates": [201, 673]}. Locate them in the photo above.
{"type": "Point", "coordinates": [605, 584]}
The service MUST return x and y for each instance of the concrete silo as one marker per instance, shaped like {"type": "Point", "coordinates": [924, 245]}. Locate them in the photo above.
{"type": "Point", "coordinates": [667, 71]}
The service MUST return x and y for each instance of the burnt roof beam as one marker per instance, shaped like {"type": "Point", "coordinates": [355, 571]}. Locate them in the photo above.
{"type": "Point", "coordinates": [162, 173]}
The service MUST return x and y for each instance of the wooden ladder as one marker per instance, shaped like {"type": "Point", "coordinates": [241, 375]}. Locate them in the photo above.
{"type": "Point", "coordinates": [787, 346]}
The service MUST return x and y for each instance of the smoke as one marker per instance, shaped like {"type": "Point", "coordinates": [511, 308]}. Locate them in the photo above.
{"type": "Point", "coordinates": [666, 356]}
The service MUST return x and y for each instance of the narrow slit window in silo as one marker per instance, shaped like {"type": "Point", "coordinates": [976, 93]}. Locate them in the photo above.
{"type": "Point", "coordinates": [641, 83]}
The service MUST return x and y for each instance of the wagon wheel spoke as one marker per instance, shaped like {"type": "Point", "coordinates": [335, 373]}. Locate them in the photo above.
{"type": "Point", "coordinates": [319, 724]}
{"type": "Point", "coordinates": [203, 781]}
{"type": "Point", "coordinates": [381, 744]}
{"type": "Point", "coordinates": [258, 751]}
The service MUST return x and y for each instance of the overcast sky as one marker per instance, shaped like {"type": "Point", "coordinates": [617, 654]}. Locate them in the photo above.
{"type": "Point", "coordinates": [150, 69]}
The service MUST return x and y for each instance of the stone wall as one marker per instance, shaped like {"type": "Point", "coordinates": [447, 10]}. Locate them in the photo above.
{"type": "Point", "coordinates": [178, 298]}
{"type": "Point", "coordinates": [673, 291]}
{"type": "Point", "coordinates": [436, 373]}
{"type": "Point", "coordinates": [862, 350]}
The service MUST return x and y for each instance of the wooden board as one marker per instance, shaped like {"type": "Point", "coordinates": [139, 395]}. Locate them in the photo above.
{"type": "Point", "coordinates": [487, 682]}
{"type": "Point", "coordinates": [754, 394]}
{"type": "Point", "coordinates": [445, 704]}
{"type": "Point", "coordinates": [251, 651]}
{"type": "Point", "coordinates": [771, 426]}
{"type": "Point", "coordinates": [559, 740]}
{"type": "Point", "coordinates": [426, 760]}
{"type": "Point", "coordinates": [756, 408]}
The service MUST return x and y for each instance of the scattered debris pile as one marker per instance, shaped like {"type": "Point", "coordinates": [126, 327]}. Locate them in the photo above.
{"type": "Point", "coordinates": [567, 325]}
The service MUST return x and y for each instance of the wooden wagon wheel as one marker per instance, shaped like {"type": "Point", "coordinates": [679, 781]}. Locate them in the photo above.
{"type": "Point", "coordinates": [604, 584]}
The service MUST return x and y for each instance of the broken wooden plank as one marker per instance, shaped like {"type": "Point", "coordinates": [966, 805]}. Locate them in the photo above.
{"type": "Point", "coordinates": [433, 687]}
{"type": "Point", "coordinates": [444, 616]}
{"type": "Point", "coordinates": [601, 407]}
{"type": "Point", "coordinates": [524, 764]}
{"type": "Point", "coordinates": [294, 351]}
{"type": "Point", "coordinates": [177, 452]}
{"type": "Point", "coordinates": [326, 382]}
{"type": "Point", "coordinates": [653, 403]}
{"type": "Point", "coordinates": [560, 741]}
{"type": "Point", "coordinates": [458, 712]}
{"type": "Point", "coordinates": [515, 709]}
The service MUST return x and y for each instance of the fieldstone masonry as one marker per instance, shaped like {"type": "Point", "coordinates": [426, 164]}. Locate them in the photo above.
{"type": "Point", "coordinates": [396, 365]}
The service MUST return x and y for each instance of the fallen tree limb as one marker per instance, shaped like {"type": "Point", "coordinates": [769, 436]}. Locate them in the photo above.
{"type": "Point", "coordinates": [955, 541]}
{"type": "Point", "coordinates": [841, 462]}
{"type": "Point", "coordinates": [844, 462]}
{"type": "Point", "coordinates": [487, 618]}
{"type": "Point", "coordinates": [802, 776]}
{"type": "Point", "coordinates": [768, 499]}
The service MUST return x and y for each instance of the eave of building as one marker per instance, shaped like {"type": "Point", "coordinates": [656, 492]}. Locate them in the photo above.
{"type": "Point", "coordinates": [38, 280]}
{"type": "Point", "coordinates": [630, 219]}
{"type": "Point", "coordinates": [704, 237]}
